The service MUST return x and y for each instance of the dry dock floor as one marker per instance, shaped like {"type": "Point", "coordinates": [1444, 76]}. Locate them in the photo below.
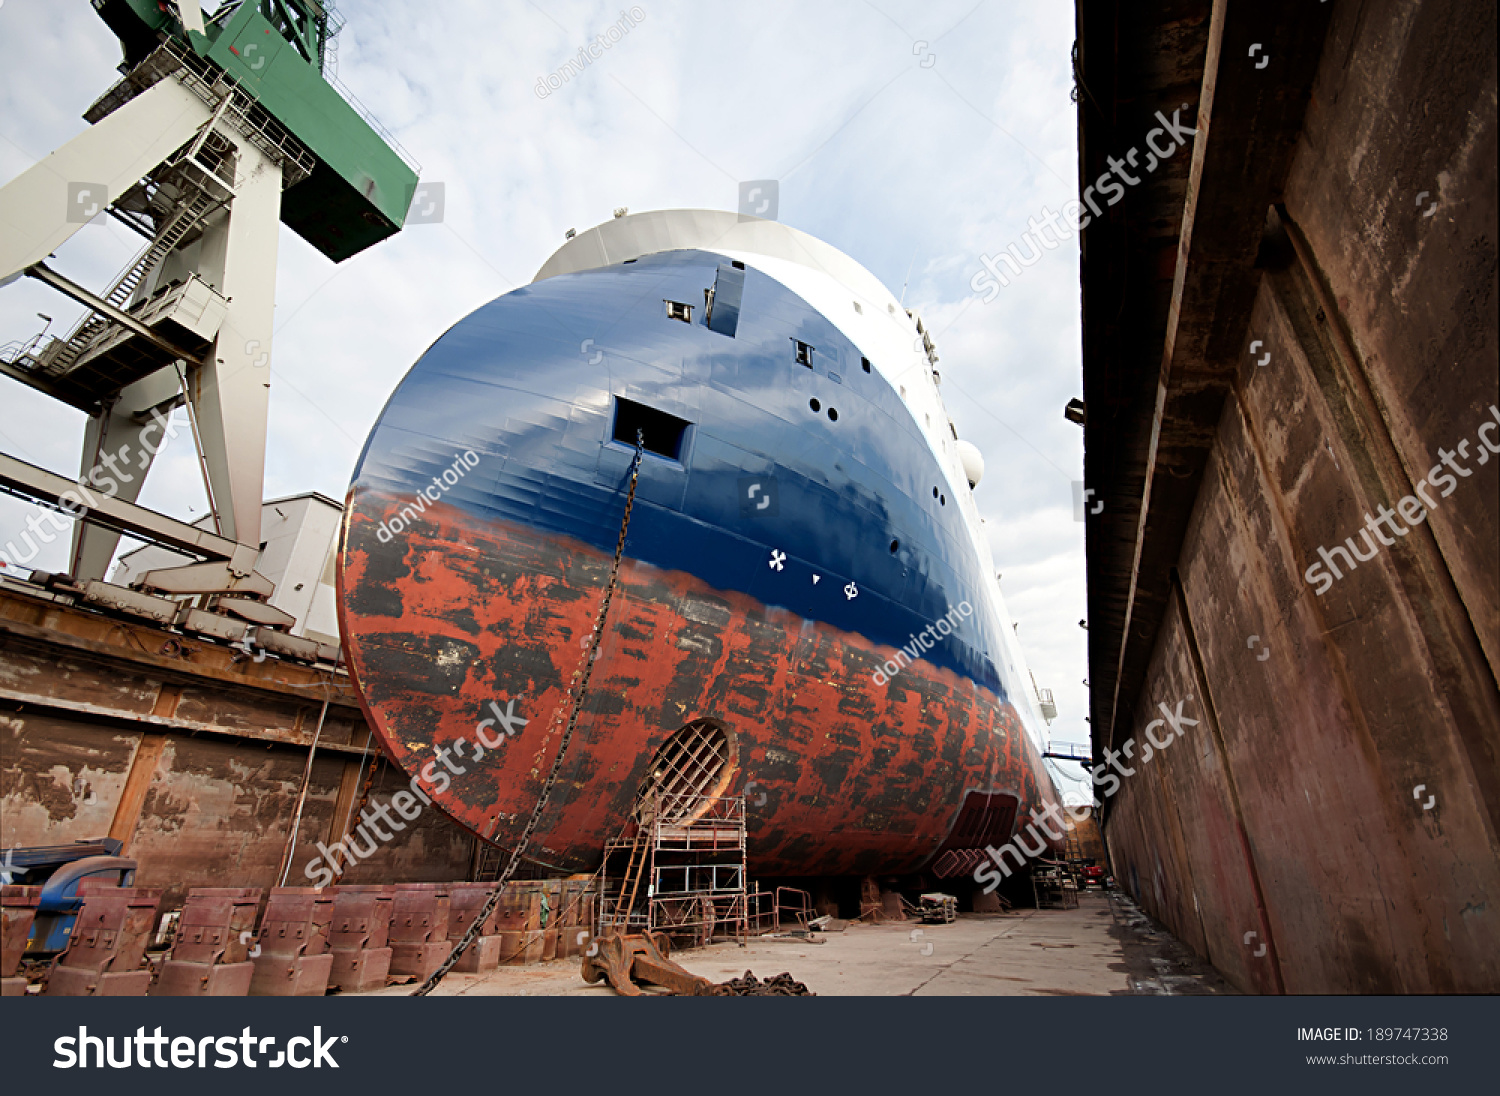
{"type": "Point", "coordinates": [1105, 947]}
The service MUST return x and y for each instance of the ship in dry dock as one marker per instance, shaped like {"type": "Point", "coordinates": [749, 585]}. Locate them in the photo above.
{"type": "Point", "coordinates": [183, 724]}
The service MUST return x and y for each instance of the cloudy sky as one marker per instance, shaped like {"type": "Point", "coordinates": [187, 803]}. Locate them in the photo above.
{"type": "Point", "coordinates": [914, 136]}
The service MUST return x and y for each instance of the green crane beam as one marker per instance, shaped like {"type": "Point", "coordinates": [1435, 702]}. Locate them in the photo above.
{"type": "Point", "coordinates": [276, 51]}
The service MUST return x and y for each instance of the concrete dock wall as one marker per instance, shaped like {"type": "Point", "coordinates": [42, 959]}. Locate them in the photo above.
{"type": "Point", "coordinates": [1329, 824]}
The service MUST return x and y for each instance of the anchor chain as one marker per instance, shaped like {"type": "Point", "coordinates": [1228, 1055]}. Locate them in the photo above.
{"type": "Point", "coordinates": [578, 690]}
{"type": "Point", "coordinates": [778, 985]}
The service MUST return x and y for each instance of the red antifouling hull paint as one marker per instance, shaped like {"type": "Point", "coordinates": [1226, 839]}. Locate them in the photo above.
{"type": "Point", "coordinates": [454, 618]}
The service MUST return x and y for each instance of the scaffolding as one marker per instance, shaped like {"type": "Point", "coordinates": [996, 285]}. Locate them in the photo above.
{"type": "Point", "coordinates": [678, 867]}
{"type": "Point", "coordinates": [1053, 887]}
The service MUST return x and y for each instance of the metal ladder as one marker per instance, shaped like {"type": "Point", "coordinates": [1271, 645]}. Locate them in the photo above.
{"type": "Point", "coordinates": [630, 883]}
{"type": "Point", "coordinates": [187, 216]}
{"type": "Point", "coordinates": [1074, 848]}
{"type": "Point", "coordinates": [490, 860]}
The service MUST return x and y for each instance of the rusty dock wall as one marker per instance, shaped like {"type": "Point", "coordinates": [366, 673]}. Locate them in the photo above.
{"type": "Point", "coordinates": [192, 758]}
{"type": "Point", "coordinates": [1284, 333]}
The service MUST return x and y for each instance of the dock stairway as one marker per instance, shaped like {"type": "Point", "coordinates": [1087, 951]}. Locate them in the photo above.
{"type": "Point", "coordinates": [199, 194]}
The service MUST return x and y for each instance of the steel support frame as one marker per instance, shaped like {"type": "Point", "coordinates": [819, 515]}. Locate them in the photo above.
{"type": "Point", "coordinates": [228, 390]}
